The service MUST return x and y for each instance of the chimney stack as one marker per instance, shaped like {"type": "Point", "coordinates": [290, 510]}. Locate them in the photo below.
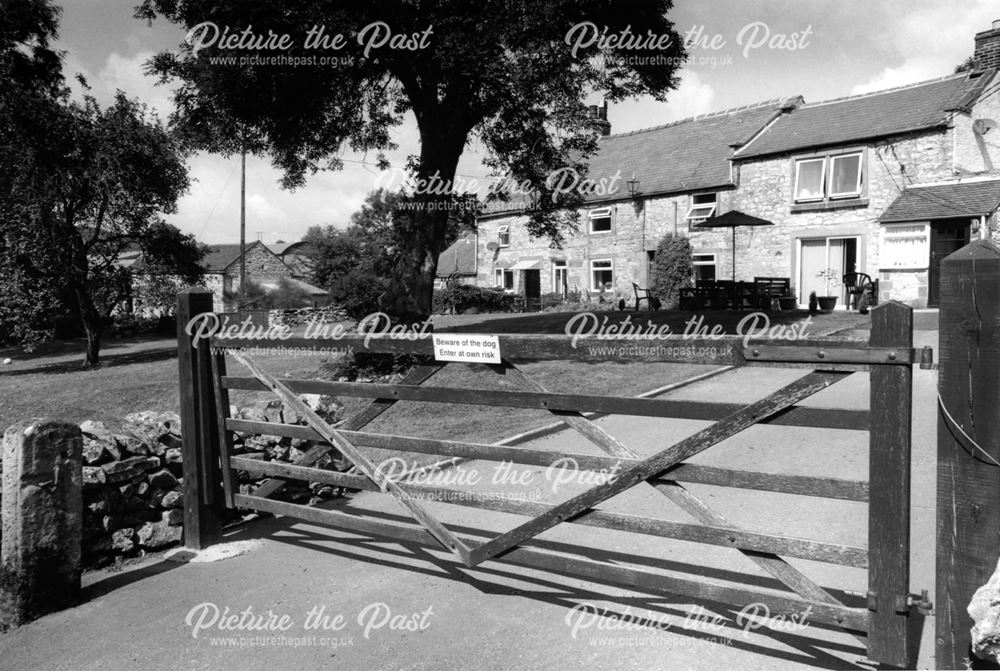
{"type": "Point", "coordinates": [987, 54]}
{"type": "Point", "coordinates": [602, 117]}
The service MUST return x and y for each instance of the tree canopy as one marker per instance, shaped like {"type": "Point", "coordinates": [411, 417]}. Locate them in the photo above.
{"type": "Point", "coordinates": [511, 74]}
{"type": "Point", "coordinates": [90, 182]}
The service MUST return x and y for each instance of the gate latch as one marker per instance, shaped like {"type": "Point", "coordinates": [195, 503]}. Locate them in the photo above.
{"type": "Point", "coordinates": [901, 603]}
{"type": "Point", "coordinates": [927, 358]}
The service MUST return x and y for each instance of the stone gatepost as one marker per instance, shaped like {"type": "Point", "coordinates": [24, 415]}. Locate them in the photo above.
{"type": "Point", "coordinates": [42, 519]}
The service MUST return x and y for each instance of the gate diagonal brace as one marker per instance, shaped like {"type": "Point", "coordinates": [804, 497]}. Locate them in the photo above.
{"type": "Point", "coordinates": [790, 576]}
{"type": "Point", "coordinates": [658, 463]}
{"type": "Point", "coordinates": [354, 423]}
{"type": "Point", "coordinates": [336, 439]}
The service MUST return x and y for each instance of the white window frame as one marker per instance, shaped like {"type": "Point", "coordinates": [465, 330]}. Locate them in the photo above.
{"type": "Point", "coordinates": [706, 262]}
{"type": "Point", "coordinates": [699, 212]}
{"type": "Point", "coordinates": [559, 265]}
{"type": "Point", "coordinates": [600, 213]}
{"type": "Point", "coordinates": [593, 268]}
{"type": "Point", "coordinates": [499, 279]}
{"type": "Point", "coordinates": [503, 236]}
{"type": "Point", "coordinates": [833, 169]}
{"type": "Point", "coordinates": [916, 256]}
{"type": "Point", "coordinates": [822, 181]}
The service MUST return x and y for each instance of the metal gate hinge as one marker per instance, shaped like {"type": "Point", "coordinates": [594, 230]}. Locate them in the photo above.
{"type": "Point", "coordinates": [927, 358]}
{"type": "Point", "coordinates": [901, 603]}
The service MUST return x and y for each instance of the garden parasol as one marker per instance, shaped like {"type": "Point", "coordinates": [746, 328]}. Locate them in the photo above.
{"type": "Point", "coordinates": [732, 219]}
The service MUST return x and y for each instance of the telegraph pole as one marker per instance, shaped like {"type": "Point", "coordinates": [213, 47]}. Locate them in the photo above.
{"type": "Point", "coordinates": [243, 228]}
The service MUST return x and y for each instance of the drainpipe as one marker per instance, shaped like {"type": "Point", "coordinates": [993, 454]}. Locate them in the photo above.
{"type": "Point", "coordinates": [675, 218]}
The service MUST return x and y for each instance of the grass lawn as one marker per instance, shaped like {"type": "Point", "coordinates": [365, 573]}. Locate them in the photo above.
{"type": "Point", "coordinates": [141, 374]}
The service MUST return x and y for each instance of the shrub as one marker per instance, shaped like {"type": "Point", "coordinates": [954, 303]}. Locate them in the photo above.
{"type": "Point", "coordinates": [458, 298]}
{"type": "Point", "coordinates": [672, 269]}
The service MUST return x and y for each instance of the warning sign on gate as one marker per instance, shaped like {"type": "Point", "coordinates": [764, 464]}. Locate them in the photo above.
{"type": "Point", "coordinates": [467, 348]}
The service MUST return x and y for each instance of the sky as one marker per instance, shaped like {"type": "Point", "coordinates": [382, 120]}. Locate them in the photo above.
{"type": "Point", "coordinates": [742, 52]}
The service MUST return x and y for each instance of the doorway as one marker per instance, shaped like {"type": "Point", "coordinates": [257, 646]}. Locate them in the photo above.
{"type": "Point", "coordinates": [947, 236]}
{"type": "Point", "coordinates": [839, 254]}
{"type": "Point", "coordinates": [532, 290]}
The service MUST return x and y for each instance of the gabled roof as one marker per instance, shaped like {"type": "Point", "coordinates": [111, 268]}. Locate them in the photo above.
{"type": "Point", "coordinates": [220, 257]}
{"type": "Point", "coordinates": [459, 258]}
{"type": "Point", "coordinates": [687, 155]}
{"type": "Point", "coordinates": [945, 201]}
{"type": "Point", "coordinates": [916, 107]}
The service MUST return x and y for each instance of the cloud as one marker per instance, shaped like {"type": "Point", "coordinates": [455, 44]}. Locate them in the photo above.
{"type": "Point", "coordinates": [691, 98]}
{"type": "Point", "coordinates": [126, 74]}
{"type": "Point", "coordinates": [929, 42]}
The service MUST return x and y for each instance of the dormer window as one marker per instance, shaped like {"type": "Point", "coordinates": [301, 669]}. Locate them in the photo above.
{"type": "Point", "coordinates": [831, 176]}
{"type": "Point", "coordinates": [600, 220]}
{"type": "Point", "coordinates": [702, 207]}
{"type": "Point", "coordinates": [503, 234]}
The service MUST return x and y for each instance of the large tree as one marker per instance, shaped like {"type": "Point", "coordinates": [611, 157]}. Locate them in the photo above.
{"type": "Point", "coordinates": [355, 263]}
{"type": "Point", "coordinates": [80, 184]}
{"type": "Point", "coordinates": [509, 73]}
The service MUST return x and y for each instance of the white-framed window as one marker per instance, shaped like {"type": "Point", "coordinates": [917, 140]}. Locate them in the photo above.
{"type": "Point", "coordinates": [704, 266]}
{"type": "Point", "coordinates": [845, 175]}
{"type": "Point", "coordinates": [503, 234]}
{"type": "Point", "coordinates": [809, 177]}
{"type": "Point", "coordinates": [504, 279]}
{"type": "Point", "coordinates": [830, 176]}
{"type": "Point", "coordinates": [602, 274]}
{"type": "Point", "coordinates": [702, 207]}
{"type": "Point", "coordinates": [905, 245]}
{"type": "Point", "coordinates": [600, 220]}
{"type": "Point", "coordinates": [560, 279]}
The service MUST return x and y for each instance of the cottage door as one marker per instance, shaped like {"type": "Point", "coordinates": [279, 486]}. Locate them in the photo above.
{"type": "Point", "coordinates": [946, 237]}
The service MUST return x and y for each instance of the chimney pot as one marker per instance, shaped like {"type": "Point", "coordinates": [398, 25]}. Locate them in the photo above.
{"type": "Point", "coordinates": [996, 24]}
{"type": "Point", "coordinates": [602, 113]}
{"type": "Point", "coordinates": [593, 111]}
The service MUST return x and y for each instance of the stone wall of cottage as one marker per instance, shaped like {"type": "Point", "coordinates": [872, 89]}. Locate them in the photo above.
{"type": "Point", "coordinates": [972, 155]}
{"type": "Point", "coordinates": [765, 190]}
{"type": "Point", "coordinates": [636, 231]}
{"type": "Point", "coordinates": [261, 265]}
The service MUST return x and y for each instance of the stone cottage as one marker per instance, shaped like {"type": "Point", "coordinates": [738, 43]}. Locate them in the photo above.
{"type": "Point", "coordinates": [885, 183]}
{"type": "Point", "coordinates": [263, 266]}
{"type": "Point", "coordinates": [680, 175]}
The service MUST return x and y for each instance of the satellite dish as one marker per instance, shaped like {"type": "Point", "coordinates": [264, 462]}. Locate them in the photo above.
{"type": "Point", "coordinates": [983, 126]}
{"type": "Point", "coordinates": [492, 246]}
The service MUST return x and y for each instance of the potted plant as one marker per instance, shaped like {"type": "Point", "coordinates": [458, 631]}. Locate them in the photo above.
{"type": "Point", "coordinates": [832, 279]}
{"type": "Point", "coordinates": [788, 301]}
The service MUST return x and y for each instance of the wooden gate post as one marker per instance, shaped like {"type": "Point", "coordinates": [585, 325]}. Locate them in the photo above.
{"type": "Point", "coordinates": [968, 479]}
{"type": "Point", "coordinates": [203, 500]}
{"type": "Point", "coordinates": [889, 491]}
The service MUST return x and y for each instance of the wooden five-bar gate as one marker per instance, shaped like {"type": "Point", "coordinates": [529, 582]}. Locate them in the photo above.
{"type": "Point", "coordinates": [882, 619]}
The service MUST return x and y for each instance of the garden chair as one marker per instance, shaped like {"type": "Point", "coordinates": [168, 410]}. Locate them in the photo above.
{"type": "Point", "coordinates": [641, 294]}
{"type": "Point", "coordinates": [857, 286]}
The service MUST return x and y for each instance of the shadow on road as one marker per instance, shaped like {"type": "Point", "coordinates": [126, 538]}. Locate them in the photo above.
{"type": "Point", "coordinates": [549, 588]}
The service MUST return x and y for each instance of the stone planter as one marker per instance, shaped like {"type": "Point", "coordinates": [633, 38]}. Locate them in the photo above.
{"type": "Point", "coordinates": [827, 303]}
{"type": "Point", "coordinates": [788, 302]}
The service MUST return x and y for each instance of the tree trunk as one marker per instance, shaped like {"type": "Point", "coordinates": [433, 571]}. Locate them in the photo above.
{"type": "Point", "coordinates": [423, 230]}
{"type": "Point", "coordinates": [92, 323]}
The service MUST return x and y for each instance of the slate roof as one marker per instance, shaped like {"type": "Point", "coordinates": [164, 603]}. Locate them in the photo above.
{"type": "Point", "coordinates": [944, 201]}
{"type": "Point", "coordinates": [459, 258]}
{"type": "Point", "coordinates": [872, 115]}
{"type": "Point", "coordinates": [687, 155]}
{"type": "Point", "coordinates": [220, 257]}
